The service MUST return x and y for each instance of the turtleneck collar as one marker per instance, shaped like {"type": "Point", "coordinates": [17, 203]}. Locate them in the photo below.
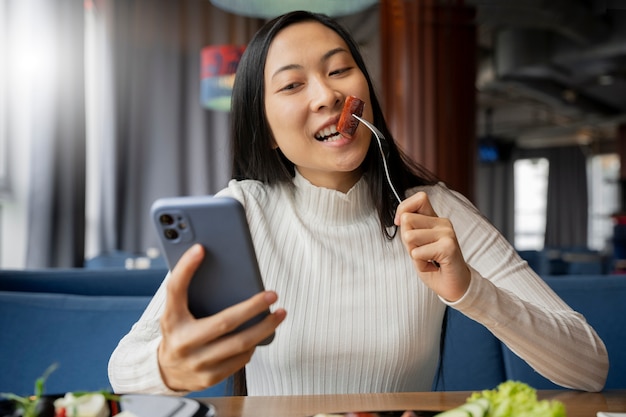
{"type": "Point", "coordinates": [332, 206]}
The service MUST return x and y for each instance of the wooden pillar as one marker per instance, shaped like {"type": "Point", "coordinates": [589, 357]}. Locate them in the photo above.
{"type": "Point", "coordinates": [428, 79]}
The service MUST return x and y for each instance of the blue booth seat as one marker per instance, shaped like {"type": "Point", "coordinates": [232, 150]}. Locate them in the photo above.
{"type": "Point", "coordinates": [602, 300]}
{"type": "Point", "coordinates": [76, 332]}
{"type": "Point", "coordinates": [74, 318]}
{"type": "Point", "coordinates": [566, 261]}
{"type": "Point", "coordinates": [538, 260]}
{"type": "Point", "coordinates": [45, 319]}
{"type": "Point", "coordinates": [472, 356]}
{"type": "Point", "coordinates": [80, 281]}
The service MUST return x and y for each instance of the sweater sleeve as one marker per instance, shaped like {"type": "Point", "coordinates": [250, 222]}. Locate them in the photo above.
{"type": "Point", "coordinates": [133, 366]}
{"type": "Point", "coordinates": [519, 308]}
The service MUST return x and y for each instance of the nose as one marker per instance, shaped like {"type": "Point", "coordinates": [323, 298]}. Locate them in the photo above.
{"type": "Point", "coordinates": [323, 95]}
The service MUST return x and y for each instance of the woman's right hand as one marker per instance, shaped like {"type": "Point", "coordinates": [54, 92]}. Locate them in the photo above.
{"type": "Point", "coordinates": [197, 353]}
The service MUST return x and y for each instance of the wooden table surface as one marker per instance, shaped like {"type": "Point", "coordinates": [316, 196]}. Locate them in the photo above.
{"type": "Point", "coordinates": [578, 404]}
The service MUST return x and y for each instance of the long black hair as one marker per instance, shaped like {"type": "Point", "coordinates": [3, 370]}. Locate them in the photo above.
{"type": "Point", "coordinates": [252, 151]}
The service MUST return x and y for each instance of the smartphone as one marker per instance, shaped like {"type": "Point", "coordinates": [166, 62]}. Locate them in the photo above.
{"type": "Point", "coordinates": [229, 273]}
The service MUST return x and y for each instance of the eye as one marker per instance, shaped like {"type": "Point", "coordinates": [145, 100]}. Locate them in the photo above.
{"type": "Point", "coordinates": [340, 71]}
{"type": "Point", "coordinates": [290, 86]}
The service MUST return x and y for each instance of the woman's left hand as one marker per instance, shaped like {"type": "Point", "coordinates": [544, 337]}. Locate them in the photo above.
{"type": "Point", "coordinates": [429, 238]}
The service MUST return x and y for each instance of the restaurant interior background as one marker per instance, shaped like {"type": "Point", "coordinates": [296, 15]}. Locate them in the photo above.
{"type": "Point", "coordinates": [100, 114]}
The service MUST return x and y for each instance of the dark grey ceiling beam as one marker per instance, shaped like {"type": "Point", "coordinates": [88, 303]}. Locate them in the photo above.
{"type": "Point", "coordinates": [570, 18]}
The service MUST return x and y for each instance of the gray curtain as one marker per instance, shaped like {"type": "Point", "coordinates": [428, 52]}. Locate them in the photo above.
{"type": "Point", "coordinates": [567, 202]}
{"type": "Point", "coordinates": [164, 143]}
{"type": "Point", "coordinates": [142, 125]}
{"type": "Point", "coordinates": [495, 195]}
{"type": "Point", "coordinates": [56, 208]}
{"type": "Point", "coordinates": [127, 127]}
{"type": "Point", "coordinates": [567, 210]}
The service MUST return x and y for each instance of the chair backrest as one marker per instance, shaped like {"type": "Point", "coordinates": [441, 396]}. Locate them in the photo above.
{"type": "Point", "coordinates": [80, 281]}
{"type": "Point", "coordinates": [77, 332]}
{"type": "Point", "coordinates": [472, 356]}
{"type": "Point", "coordinates": [72, 317]}
{"type": "Point", "coordinates": [602, 300]}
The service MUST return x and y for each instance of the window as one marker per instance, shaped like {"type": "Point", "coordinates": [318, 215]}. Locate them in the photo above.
{"type": "Point", "coordinates": [531, 195]}
{"type": "Point", "coordinates": [603, 176]}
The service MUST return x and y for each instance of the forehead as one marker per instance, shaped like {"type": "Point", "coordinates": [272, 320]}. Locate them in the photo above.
{"type": "Point", "coordinates": [302, 40]}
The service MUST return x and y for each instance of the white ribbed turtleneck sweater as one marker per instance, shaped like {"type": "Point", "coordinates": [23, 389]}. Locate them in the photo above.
{"type": "Point", "coordinates": [359, 319]}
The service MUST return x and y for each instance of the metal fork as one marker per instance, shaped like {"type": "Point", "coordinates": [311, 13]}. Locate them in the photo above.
{"type": "Point", "coordinates": [380, 139]}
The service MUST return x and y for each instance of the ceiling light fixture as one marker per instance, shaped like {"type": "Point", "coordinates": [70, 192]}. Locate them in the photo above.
{"type": "Point", "coordinates": [269, 9]}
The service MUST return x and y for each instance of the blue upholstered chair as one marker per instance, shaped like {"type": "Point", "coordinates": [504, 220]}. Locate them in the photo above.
{"type": "Point", "coordinates": [74, 318]}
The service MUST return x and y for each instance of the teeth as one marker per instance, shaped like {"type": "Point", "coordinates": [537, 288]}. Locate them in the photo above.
{"type": "Point", "coordinates": [327, 134]}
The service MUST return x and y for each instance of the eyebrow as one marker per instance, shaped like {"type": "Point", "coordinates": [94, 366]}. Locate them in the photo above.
{"type": "Point", "coordinates": [325, 57]}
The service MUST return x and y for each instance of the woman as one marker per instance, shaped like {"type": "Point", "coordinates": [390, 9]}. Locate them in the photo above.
{"type": "Point", "coordinates": [353, 268]}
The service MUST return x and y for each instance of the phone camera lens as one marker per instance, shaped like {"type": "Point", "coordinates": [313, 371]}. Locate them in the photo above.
{"type": "Point", "coordinates": [166, 219]}
{"type": "Point", "coordinates": [171, 234]}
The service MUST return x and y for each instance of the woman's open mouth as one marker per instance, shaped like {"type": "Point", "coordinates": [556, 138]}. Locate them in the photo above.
{"type": "Point", "coordinates": [328, 134]}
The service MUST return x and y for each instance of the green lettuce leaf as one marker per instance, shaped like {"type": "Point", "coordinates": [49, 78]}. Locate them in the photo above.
{"type": "Point", "coordinates": [517, 399]}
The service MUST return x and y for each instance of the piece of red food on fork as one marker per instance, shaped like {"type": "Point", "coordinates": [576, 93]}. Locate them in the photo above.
{"type": "Point", "coordinates": [347, 124]}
